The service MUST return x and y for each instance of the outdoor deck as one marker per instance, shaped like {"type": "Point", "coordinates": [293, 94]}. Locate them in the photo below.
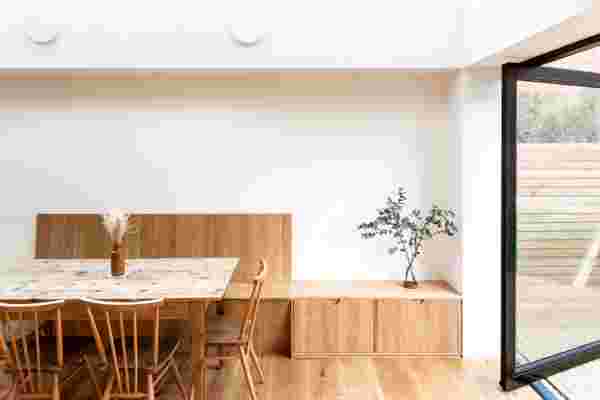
{"type": "Point", "coordinates": [558, 270]}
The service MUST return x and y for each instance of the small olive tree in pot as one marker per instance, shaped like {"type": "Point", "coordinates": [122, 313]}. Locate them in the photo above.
{"type": "Point", "coordinates": [408, 229]}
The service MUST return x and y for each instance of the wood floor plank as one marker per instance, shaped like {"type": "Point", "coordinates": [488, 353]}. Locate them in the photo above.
{"type": "Point", "coordinates": [360, 380]}
{"type": "Point", "coordinates": [285, 380]}
{"type": "Point", "coordinates": [227, 384]}
{"type": "Point", "coordinates": [347, 379]}
{"type": "Point", "coordinates": [396, 379]}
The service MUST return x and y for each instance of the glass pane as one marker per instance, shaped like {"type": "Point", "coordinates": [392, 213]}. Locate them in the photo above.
{"type": "Point", "coordinates": [579, 383]}
{"type": "Point", "coordinates": [558, 219]}
{"type": "Point", "coordinates": [588, 60]}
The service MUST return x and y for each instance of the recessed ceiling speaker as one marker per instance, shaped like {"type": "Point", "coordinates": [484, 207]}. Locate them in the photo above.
{"type": "Point", "coordinates": [40, 33]}
{"type": "Point", "coordinates": [246, 32]}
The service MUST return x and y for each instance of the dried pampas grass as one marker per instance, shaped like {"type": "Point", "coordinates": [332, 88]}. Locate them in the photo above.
{"type": "Point", "coordinates": [116, 223]}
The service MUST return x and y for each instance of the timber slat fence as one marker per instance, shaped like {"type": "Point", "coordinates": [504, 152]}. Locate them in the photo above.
{"type": "Point", "coordinates": [558, 202]}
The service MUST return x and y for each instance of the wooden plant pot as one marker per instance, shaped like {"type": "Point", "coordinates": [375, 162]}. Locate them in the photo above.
{"type": "Point", "coordinates": [117, 261]}
{"type": "Point", "coordinates": [410, 284]}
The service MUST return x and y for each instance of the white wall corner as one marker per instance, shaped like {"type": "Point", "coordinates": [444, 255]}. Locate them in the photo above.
{"type": "Point", "coordinates": [476, 102]}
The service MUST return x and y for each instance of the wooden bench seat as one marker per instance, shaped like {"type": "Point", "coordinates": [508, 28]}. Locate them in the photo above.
{"type": "Point", "coordinates": [271, 291]}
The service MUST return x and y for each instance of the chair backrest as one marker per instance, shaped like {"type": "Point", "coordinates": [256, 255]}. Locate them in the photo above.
{"type": "Point", "coordinates": [21, 327]}
{"type": "Point", "coordinates": [247, 329]}
{"type": "Point", "coordinates": [119, 312]}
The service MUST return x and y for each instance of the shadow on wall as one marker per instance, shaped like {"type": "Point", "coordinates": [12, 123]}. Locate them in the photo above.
{"type": "Point", "coordinates": [443, 257]}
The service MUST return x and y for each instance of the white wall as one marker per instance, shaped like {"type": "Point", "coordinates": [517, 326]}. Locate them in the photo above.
{"type": "Point", "coordinates": [326, 147]}
{"type": "Point", "coordinates": [476, 105]}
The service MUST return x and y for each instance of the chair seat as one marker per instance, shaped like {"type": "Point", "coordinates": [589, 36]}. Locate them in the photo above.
{"type": "Point", "coordinates": [222, 331]}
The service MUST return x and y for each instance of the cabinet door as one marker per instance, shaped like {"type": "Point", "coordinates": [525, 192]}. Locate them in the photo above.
{"type": "Point", "coordinates": [355, 326]}
{"type": "Point", "coordinates": [272, 330]}
{"type": "Point", "coordinates": [333, 326]}
{"type": "Point", "coordinates": [419, 327]}
{"type": "Point", "coordinates": [315, 326]}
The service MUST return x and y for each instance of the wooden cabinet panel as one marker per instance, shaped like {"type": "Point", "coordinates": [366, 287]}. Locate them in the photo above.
{"type": "Point", "coordinates": [248, 236]}
{"type": "Point", "coordinates": [157, 235]}
{"type": "Point", "coordinates": [252, 237]}
{"type": "Point", "coordinates": [272, 330]}
{"type": "Point", "coordinates": [195, 235]}
{"type": "Point", "coordinates": [71, 236]}
{"type": "Point", "coordinates": [333, 326]}
{"type": "Point", "coordinates": [355, 326]}
{"type": "Point", "coordinates": [315, 326]}
{"type": "Point", "coordinates": [419, 327]}
{"type": "Point", "coordinates": [274, 327]}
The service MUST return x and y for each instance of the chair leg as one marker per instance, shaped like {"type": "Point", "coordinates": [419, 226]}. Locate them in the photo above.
{"type": "Point", "coordinates": [220, 352]}
{"type": "Point", "coordinates": [10, 393]}
{"type": "Point", "coordinates": [179, 380]}
{"type": "Point", "coordinates": [220, 308]}
{"type": "Point", "coordinates": [261, 375]}
{"type": "Point", "coordinates": [247, 373]}
{"type": "Point", "coordinates": [5, 391]}
{"type": "Point", "coordinates": [150, 383]}
{"type": "Point", "coordinates": [55, 387]}
{"type": "Point", "coordinates": [93, 376]}
{"type": "Point", "coordinates": [108, 390]}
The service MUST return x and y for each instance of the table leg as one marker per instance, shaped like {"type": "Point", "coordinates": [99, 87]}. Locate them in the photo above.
{"type": "Point", "coordinates": [220, 308]}
{"type": "Point", "coordinates": [199, 378]}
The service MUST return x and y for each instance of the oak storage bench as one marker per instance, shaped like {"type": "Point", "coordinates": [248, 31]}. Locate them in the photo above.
{"type": "Point", "coordinates": [375, 319]}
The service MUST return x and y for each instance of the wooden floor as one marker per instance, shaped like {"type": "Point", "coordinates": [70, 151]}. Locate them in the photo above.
{"type": "Point", "coordinates": [353, 379]}
{"type": "Point", "coordinates": [378, 379]}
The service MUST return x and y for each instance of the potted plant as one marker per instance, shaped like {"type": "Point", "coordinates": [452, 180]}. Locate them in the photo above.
{"type": "Point", "coordinates": [408, 229]}
{"type": "Point", "coordinates": [118, 224]}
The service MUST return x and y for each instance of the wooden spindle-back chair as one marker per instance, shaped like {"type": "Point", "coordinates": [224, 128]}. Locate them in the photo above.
{"type": "Point", "coordinates": [129, 354]}
{"type": "Point", "coordinates": [241, 339]}
{"type": "Point", "coordinates": [35, 370]}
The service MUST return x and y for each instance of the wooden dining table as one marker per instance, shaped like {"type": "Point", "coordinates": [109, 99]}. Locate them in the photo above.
{"type": "Point", "coordinates": [187, 285]}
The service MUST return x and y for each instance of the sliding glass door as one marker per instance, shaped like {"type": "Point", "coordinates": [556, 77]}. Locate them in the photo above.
{"type": "Point", "coordinates": [551, 213]}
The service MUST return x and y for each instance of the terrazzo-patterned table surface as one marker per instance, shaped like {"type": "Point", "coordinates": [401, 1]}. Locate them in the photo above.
{"type": "Point", "coordinates": [169, 278]}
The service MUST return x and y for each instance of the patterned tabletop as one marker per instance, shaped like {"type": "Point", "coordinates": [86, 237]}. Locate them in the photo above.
{"type": "Point", "coordinates": [170, 278]}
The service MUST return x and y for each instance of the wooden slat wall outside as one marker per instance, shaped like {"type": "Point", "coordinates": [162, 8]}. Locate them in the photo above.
{"type": "Point", "coordinates": [249, 236]}
{"type": "Point", "coordinates": [558, 205]}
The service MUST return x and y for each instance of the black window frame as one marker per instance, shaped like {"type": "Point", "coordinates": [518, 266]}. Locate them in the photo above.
{"type": "Point", "coordinates": [513, 376]}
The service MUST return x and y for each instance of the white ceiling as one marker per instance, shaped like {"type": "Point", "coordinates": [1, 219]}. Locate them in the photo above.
{"type": "Point", "coordinates": [308, 34]}
{"type": "Point", "coordinates": [568, 31]}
